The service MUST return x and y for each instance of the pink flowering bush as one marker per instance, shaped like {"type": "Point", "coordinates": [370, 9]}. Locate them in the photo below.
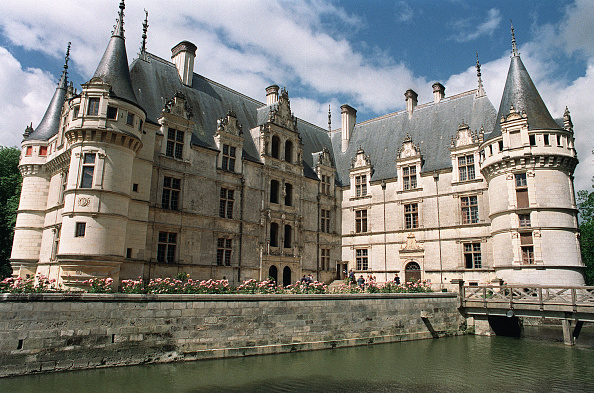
{"type": "Point", "coordinates": [99, 285]}
{"type": "Point", "coordinates": [38, 284]}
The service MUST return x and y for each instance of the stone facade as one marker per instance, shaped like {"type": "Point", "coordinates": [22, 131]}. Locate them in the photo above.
{"type": "Point", "coordinates": [153, 170]}
{"type": "Point", "coordinates": [55, 332]}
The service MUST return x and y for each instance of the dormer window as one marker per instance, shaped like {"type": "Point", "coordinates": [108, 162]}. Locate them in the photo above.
{"type": "Point", "coordinates": [409, 177]}
{"type": "Point", "coordinates": [93, 107]}
{"type": "Point", "coordinates": [360, 186]}
{"type": "Point", "coordinates": [175, 143]}
{"type": "Point", "coordinates": [228, 161]}
{"type": "Point", "coordinates": [466, 167]}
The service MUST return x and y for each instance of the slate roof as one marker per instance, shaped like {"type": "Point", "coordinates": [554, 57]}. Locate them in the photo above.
{"type": "Point", "coordinates": [50, 123]}
{"type": "Point", "coordinates": [156, 80]}
{"type": "Point", "coordinates": [520, 92]}
{"type": "Point", "coordinates": [431, 128]}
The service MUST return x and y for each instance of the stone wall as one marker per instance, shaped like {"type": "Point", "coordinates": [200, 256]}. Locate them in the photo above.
{"type": "Point", "coordinates": [53, 332]}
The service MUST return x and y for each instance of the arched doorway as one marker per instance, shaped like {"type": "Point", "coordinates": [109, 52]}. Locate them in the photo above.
{"type": "Point", "coordinates": [273, 272]}
{"type": "Point", "coordinates": [412, 272]}
{"type": "Point", "coordinates": [287, 276]}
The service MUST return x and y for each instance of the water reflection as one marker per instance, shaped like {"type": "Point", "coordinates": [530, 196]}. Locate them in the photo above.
{"type": "Point", "coordinates": [457, 364]}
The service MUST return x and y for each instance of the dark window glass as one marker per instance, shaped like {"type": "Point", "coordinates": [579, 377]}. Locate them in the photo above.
{"type": "Point", "coordinates": [112, 112]}
{"type": "Point", "coordinates": [93, 108]}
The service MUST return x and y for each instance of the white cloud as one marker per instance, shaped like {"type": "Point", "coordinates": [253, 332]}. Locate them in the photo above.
{"type": "Point", "coordinates": [470, 29]}
{"type": "Point", "coordinates": [404, 12]}
{"type": "Point", "coordinates": [24, 94]}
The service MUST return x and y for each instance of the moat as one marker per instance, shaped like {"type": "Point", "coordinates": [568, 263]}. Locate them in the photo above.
{"type": "Point", "coordinates": [539, 362]}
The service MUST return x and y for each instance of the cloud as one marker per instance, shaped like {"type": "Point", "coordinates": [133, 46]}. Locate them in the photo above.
{"type": "Point", "coordinates": [469, 30]}
{"type": "Point", "coordinates": [404, 12]}
{"type": "Point", "coordinates": [25, 94]}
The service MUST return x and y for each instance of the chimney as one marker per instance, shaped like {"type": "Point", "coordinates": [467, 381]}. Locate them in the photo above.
{"type": "Point", "coordinates": [348, 116]}
{"type": "Point", "coordinates": [271, 94]}
{"type": "Point", "coordinates": [438, 92]}
{"type": "Point", "coordinates": [183, 55]}
{"type": "Point", "coordinates": [411, 101]}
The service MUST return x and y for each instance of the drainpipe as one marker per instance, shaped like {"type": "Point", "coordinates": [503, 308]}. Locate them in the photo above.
{"type": "Point", "coordinates": [241, 207]}
{"type": "Point", "coordinates": [318, 242]}
{"type": "Point", "coordinates": [436, 178]}
{"type": "Point", "coordinates": [385, 244]}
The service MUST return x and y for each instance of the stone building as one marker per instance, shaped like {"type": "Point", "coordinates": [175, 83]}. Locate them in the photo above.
{"type": "Point", "coordinates": [153, 169]}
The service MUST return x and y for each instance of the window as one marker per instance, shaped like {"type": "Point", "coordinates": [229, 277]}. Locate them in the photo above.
{"type": "Point", "coordinates": [135, 187]}
{"type": "Point", "coordinates": [79, 230]}
{"type": "Point", "coordinates": [360, 221]}
{"type": "Point", "coordinates": [128, 253]}
{"type": "Point", "coordinates": [527, 248]}
{"type": "Point", "coordinates": [29, 151]}
{"type": "Point", "coordinates": [56, 242]}
{"type": "Point", "coordinates": [171, 189]}
{"type": "Point", "coordinates": [500, 143]}
{"type": "Point", "coordinates": [289, 151]}
{"type": "Point", "coordinates": [532, 140]}
{"type": "Point", "coordinates": [228, 161]}
{"type": "Point", "coordinates": [411, 216]}
{"type": "Point", "coordinates": [43, 150]}
{"type": "Point", "coordinates": [409, 177]}
{"type": "Point", "coordinates": [175, 143]}
{"type": "Point", "coordinates": [130, 121]}
{"type": "Point", "coordinates": [559, 142]}
{"type": "Point", "coordinates": [273, 234]}
{"type": "Point", "coordinates": [288, 233]}
{"type": "Point", "coordinates": [224, 252]}
{"type": "Point", "coordinates": [112, 113]}
{"type": "Point", "coordinates": [288, 194]}
{"type": "Point", "coordinates": [362, 259]}
{"type": "Point", "coordinates": [166, 247]}
{"type": "Point", "coordinates": [524, 220]}
{"type": "Point", "coordinates": [88, 170]}
{"type": "Point", "coordinates": [521, 190]}
{"type": "Point", "coordinates": [547, 142]}
{"type": "Point", "coordinates": [490, 150]}
{"type": "Point", "coordinates": [466, 167]}
{"type": "Point", "coordinates": [274, 185]}
{"type": "Point", "coordinates": [325, 221]}
{"type": "Point", "coordinates": [226, 203]}
{"type": "Point", "coordinates": [140, 124]}
{"type": "Point", "coordinates": [275, 147]}
{"type": "Point", "coordinates": [360, 185]}
{"type": "Point", "coordinates": [75, 111]}
{"type": "Point", "coordinates": [325, 259]}
{"type": "Point", "coordinates": [472, 255]}
{"type": "Point", "coordinates": [325, 185]}
{"type": "Point", "coordinates": [93, 107]}
{"type": "Point", "coordinates": [469, 210]}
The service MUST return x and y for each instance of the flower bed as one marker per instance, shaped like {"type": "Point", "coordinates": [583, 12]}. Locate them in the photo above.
{"type": "Point", "coordinates": [188, 285]}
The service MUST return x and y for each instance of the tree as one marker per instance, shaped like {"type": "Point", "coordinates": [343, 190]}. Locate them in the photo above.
{"type": "Point", "coordinates": [10, 191]}
{"type": "Point", "coordinates": [585, 200]}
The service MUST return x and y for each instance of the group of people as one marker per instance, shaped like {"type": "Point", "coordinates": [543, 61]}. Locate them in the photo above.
{"type": "Point", "coordinates": [307, 279]}
{"type": "Point", "coordinates": [370, 278]}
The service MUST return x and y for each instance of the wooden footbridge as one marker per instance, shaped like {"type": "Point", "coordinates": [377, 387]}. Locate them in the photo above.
{"type": "Point", "coordinates": [572, 305]}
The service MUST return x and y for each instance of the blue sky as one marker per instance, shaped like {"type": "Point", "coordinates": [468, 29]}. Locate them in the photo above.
{"type": "Point", "coordinates": [364, 53]}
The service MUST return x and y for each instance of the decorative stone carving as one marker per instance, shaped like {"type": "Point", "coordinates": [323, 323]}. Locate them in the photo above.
{"type": "Point", "coordinates": [280, 113]}
{"type": "Point", "coordinates": [408, 148]}
{"type": "Point", "coordinates": [229, 125]}
{"type": "Point", "coordinates": [84, 202]}
{"type": "Point", "coordinates": [411, 244]}
{"type": "Point", "coordinates": [361, 160]}
{"type": "Point", "coordinates": [464, 136]}
{"type": "Point", "coordinates": [179, 106]}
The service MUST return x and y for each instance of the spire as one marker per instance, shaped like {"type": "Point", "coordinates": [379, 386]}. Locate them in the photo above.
{"type": "Point", "coordinates": [514, 47]}
{"type": "Point", "coordinates": [50, 123]}
{"type": "Point", "coordinates": [329, 120]}
{"type": "Point", "coordinates": [521, 95]}
{"type": "Point", "coordinates": [113, 67]}
{"type": "Point", "coordinates": [481, 91]}
{"type": "Point", "coordinates": [145, 26]}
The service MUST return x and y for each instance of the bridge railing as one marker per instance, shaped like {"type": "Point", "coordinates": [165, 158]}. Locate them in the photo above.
{"type": "Point", "coordinates": [522, 294]}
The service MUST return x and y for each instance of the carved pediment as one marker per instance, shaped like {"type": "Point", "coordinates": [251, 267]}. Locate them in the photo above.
{"type": "Point", "coordinates": [361, 160]}
{"type": "Point", "coordinates": [464, 136]}
{"type": "Point", "coordinates": [324, 158]}
{"type": "Point", "coordinates": [179, 106]}
{"type": "Point", "coordinates": [280, 113]}
{"type": "Point", "coordinates": [513, 115]}
{"type": "Point", "coordinates": [229, 125]}
{"type": "Point", "coordinates": [411, 244]}
{"type": "Point", "coordinates": [408, 148]}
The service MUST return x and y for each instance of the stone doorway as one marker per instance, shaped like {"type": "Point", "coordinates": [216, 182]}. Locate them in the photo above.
{"type": "Point", "coordinates": [273, 272]}
{"type": "Point", "coordinates": [412, 272]}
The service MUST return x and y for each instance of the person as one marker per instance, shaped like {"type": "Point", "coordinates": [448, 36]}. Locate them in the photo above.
{"type": "Point", "coordinates": [303, 279]}
{"type": "Point", "coordinates": [310, 278]}
{"type": "Point", "coordinates": [361, 281]}
{"type": "Point", "coordinates": [352, 276]}
{"type": "Point", "coordinates": [396, 279]}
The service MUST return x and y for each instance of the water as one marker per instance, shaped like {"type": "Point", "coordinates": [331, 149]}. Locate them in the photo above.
{"type": "Point", "coordinates": [455, 364]}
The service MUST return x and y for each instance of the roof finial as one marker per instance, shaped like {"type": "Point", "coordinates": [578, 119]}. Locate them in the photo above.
{"type": "Point", "coordinates": [514, 47]}
{"type": "Point", "coordinates": [481, 91]}
{"type": "Point", "coordinates": [145, 26]}
{"type": "Point", "coordinates": [119, 27]}
{"type": "Point", "coordinates": [329, 120]}
{"type": "Point", "coordinates": [66, 58]}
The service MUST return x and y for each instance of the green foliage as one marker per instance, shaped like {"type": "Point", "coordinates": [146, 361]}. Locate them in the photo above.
{"type": "Point", "coordinates": [10, 190]}
{"type": "Point", "coordinates": [585, 201]}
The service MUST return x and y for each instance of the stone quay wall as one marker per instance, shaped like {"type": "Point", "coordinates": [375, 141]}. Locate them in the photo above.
{"type": "Point", "coordinates": [54, 332]}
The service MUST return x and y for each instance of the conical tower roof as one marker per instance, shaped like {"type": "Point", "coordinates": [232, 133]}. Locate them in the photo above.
{"type": "Point", "coordinates": [521, 93]}
{"type": "Point", "coordinates": [113, 67]}
{"type": "Point", "coordinates": [50, 123]}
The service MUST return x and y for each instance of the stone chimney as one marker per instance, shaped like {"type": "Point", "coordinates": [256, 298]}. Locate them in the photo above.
{"type": "Point", "coordinates": [348, 116]}
{"type": "Point", "coordinates": [183, 55]}
{"type": "Point", "coordinates": [438, 92]}
{"type": "Point", "coordinates": [411, 101]}
{"type": "Point", "coordinates": [271, 94]}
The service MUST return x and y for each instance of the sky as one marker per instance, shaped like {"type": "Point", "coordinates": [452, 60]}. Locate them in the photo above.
{"type": "Point", "coordinates": [326, 53]}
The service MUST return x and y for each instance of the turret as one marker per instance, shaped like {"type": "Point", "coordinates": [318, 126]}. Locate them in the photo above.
{"type": "Point", "coordinates": [528, 163]}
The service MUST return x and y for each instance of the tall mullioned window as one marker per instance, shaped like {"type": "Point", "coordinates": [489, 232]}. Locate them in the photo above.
{"type": "Point", "coordinates": [469, 210]}
{"type": "Point", "coordinates": [224, 252]}
{"type": "Point", "coordinates": [466, 167]}
{"type": "Point", "coordinates": [93, 107]}
{"type": "Point", "coordinates": [175, 143]}
{"type": "Point", "coordinates": [324, 259]}
{"type": "Point", "coordinates": [88, 170]}
{"type": "Point", "coordinates": [325, 220]}
{"type": "Point", "coordinates": [171, 190]}
{"type": "Point", "coordinates": [411, 216]}
{"type": "Point", "coordinates": [360, 221]}
{"type": "Point", "coordinates": [325, 185]}
{"type": "Point", "coordinates": [527, 248]}
{"type": "Point", "coordinates": [361, 258]}
{"type": "Point", "coordinates": [409, 177]}
{"type": "Point", "coordinates": [166, 245]}
{"type": "Point", "coordinates": [472, 255]}
{"type": "Point", "coordinates": [226, 203]}
{"type": "Point", "coordinates": [360, 186]}
{"type": "Point", "coordinates": [228, 161]}
{"type": "Point", "coordinates": [521, 190]}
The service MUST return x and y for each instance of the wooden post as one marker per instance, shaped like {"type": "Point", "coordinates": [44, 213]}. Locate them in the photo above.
{"type": "Point", "coordinates": [461, 294]}
{"type": "Point", "coordinates": [567, 333]}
